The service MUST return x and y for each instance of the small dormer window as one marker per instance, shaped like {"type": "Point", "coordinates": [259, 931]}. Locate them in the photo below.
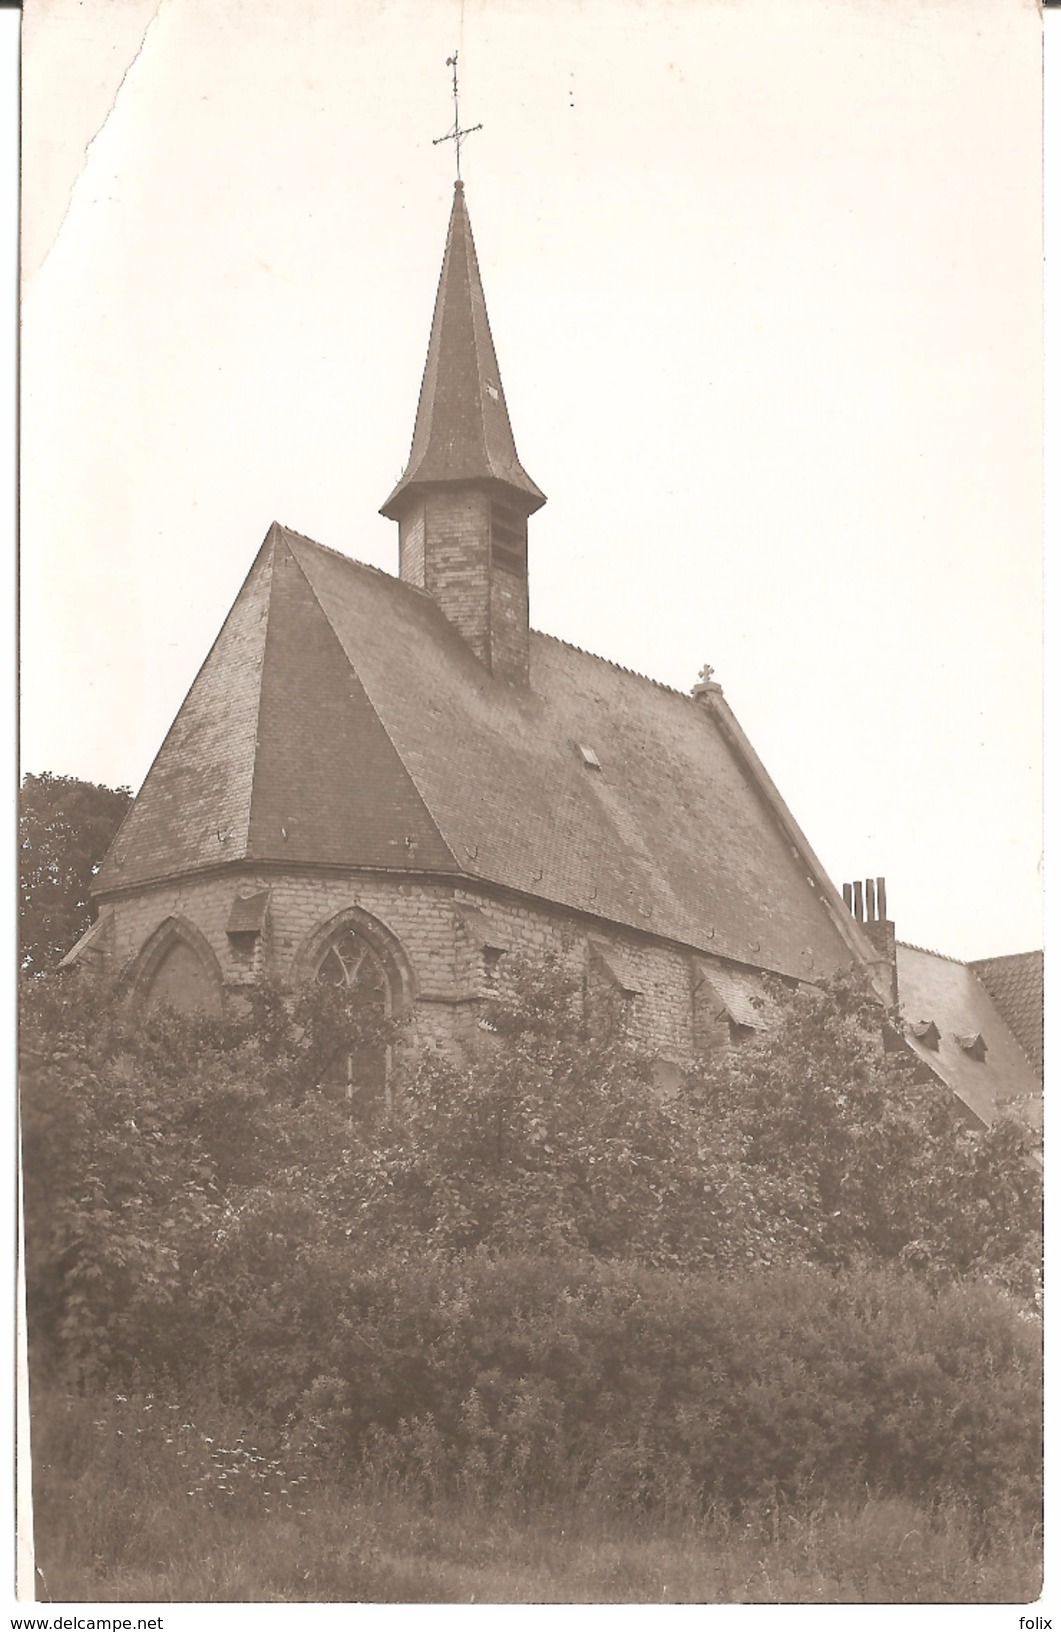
{"type": "Point", "coordinates": [484, 934]}
{"type": "Point", "coordinates": [973, 1045]}
{"type": "Point", "coordinates": [738, 1033]}
{"type": "Point", "coordinates": [617, 969]}
{"type": "Point", "coordinates": [893, 1043]}
{"type": "Point", "coordinates": [508, 538]}
{"type": "Point", "coordinates": [246, 921]}
{"type": "Point", "coordinates": [926, 1032]}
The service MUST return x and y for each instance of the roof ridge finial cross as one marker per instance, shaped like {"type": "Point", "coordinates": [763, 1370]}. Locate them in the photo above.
{"type": "Point", "coordinates": [456, 135]}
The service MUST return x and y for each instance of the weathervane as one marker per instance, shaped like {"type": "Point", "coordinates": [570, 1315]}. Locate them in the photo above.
{"type": "Point", "coordinates": [456, 135]}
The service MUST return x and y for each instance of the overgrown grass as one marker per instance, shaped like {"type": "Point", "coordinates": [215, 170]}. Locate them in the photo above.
{"type": "Point", "coordinates": [135, 1502]}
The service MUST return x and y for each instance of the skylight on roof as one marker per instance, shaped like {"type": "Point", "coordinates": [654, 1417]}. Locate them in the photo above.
{"type": "Point", "coordinates": [589, 757]}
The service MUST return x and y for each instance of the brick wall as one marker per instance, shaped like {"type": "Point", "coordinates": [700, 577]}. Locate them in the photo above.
{"type": "Point", "coordinates": [411, 546]}
{"type": "Point", "coordinates": [444, 547]}
{"type": "Point", "coordinates": [457, 562]}
{"type": "Point", "coordinates": [440, 951]}
{"type": "Point", "coordinates": [509, 627]}
{"type": "Point", "coordinates": [881, 933]}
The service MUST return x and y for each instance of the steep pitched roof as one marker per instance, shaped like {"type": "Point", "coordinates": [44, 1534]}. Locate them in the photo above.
{"type": "Point", "coordinates": [1016, 984]}
{"type": "Point", "coordinates": [194, 807]}
{"type": "Point", "coordinates": [939, 989]}
{"type": "Point", "coordinates": [276, 753]}
{"type": "Point", "coordinates": [462, 430]}
{"type": "Point", "coordinates": [341, 719]}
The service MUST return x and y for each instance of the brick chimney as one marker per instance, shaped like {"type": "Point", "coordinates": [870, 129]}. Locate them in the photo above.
{"type": "Point", "coordinates": [868, 904]}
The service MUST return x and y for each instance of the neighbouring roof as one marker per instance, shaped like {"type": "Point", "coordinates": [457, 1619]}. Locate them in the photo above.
{"type": "Point", "coordinates": [951, 996]}
{"type": "Point", "coordinates": [1016, 984]}
{"type": "Point", "coordinates": [340, 720]}
{"type": "Point", "coordinates": [462, 430]}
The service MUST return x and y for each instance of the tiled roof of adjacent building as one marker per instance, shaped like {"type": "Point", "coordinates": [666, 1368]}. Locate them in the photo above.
{"type": "Point", "coordinates": [1016, 984]}
{"type": "Point", "coordinates": [945, 1001]}
{"type": "Point", "coordinates": [340, 720]}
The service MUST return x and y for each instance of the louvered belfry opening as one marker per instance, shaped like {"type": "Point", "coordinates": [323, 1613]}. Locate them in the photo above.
{"type": "Point", "coordinates": [508, 538]}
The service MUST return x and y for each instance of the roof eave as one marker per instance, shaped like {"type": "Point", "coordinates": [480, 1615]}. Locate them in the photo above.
{"type": "Point", "coordinates": [529, 494]}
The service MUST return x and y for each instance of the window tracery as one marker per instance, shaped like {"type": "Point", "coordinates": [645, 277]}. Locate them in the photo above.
{"type": "Point", "coordinates": [357, 1071]}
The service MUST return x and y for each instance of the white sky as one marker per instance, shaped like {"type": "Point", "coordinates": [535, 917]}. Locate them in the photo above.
{"type": "Point", "coordinates": [764, 279]}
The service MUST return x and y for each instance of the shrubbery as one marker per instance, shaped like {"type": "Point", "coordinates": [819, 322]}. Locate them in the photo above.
{"type": "Point", "coordinates": [640, 1384]}
{"type": "Point", "coordinates": [801, 1273]}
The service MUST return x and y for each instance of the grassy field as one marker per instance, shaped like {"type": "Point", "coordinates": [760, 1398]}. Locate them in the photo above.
{"type": "Point", "coordinates": [352, 1549]}
{"type": "Point", "coordinates": [129, 1509]}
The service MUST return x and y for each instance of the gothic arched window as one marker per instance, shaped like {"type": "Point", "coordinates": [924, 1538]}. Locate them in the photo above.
{"type": "Point", "coordinates": [182, 981]}
{"type": "Point", "coordinates": [177, 969]}
{"type": "Point", "coordinates": [358, 1069]}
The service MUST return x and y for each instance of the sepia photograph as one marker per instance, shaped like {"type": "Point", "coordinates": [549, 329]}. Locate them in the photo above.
{"type": "Point", "coordinates": [530, 803]}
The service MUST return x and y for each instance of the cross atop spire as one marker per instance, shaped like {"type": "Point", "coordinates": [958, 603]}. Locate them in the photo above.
{"type": "Point", "coordinates": [456, 135]}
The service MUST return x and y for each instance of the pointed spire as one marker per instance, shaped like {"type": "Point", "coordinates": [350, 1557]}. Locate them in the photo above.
{"type": "Point", "coordinates": [462, 428]}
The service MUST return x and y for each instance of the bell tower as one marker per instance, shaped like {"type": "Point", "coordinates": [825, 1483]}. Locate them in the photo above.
{"type": "Point", "coordinates": [462, 504]}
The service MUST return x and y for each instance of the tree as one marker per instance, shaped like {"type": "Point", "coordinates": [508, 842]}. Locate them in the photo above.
{"type": "Point", "coordinates": [65, 829]}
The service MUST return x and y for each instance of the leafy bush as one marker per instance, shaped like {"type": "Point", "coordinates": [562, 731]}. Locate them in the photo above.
{"type": "Point", "coordinates": [539, 1273]}
{"type": "Point", "coordinates": [641, 1384]}
{"type": "Point", "coordinates": [171, 1169]}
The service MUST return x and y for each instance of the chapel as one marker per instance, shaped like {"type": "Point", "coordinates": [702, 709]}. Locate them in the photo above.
{"type": "Point", "coordinates": [395, 784]}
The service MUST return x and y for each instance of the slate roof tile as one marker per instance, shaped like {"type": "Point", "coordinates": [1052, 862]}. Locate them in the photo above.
{"type": "Point", "coordinates": [328, 783]}
{"type": "Point", "coordinates": [340, 715]}
{"type": "Point", "coordinates": [462, 429]}
{"type": "Point", "coordinates": [194, 807]}
{"type": "Point", "coordinates": [670, 838]}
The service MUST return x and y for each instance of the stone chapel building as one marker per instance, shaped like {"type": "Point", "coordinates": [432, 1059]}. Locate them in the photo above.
{"type": "Point", "coordinates": [394, 783]}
